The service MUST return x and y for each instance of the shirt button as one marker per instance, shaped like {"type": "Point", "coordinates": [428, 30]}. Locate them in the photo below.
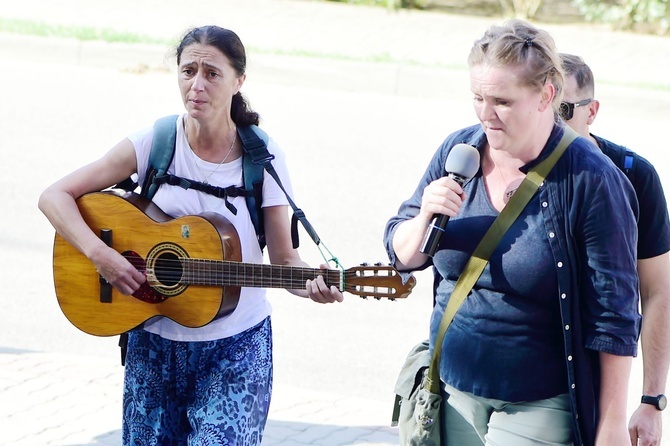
{"type": "Point", "coordinates": [544, 204]}
{"type": "Point", "coordinates": [567, 327]}
{"type": "Point", "coordinates": [569, 357]}
{"type": "Point", "coordinates": [573, 386]}
{"type": "Point", "coordinates": [563, 296]}
{"type": "Point", "coordinates": [560, 264]}
{"type": "Point", "coordinates": [552, 235]}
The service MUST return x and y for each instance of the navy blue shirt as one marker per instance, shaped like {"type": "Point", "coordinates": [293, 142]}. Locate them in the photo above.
{"type": "Point", "coordinates": [511, 356]}
{"type": "Point", "coordinates": [654, 223]}
{"type": "Point", "coordinates": [587, 217]}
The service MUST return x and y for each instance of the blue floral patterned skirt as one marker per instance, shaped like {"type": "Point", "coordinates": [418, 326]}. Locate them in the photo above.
{"type": "Point", "coordinates": [197, 393]}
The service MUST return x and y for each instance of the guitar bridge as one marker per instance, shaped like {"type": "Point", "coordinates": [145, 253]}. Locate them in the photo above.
{"type": "Point", "coordinates": [151, 277]}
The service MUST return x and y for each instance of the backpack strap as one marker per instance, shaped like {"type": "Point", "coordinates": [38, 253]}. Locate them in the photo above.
{"type": "Point", "coordinates": [627, 165]}
{"type": "Point", "coordinates": [255, 143]}
{"type": "Point", "coordinates": [256, 159]}
{"type": "Point", "coordinates": [161, 155]}
{"type": "Point", "coordinates": [219, 192]}
{"type": "Point", "coordinates": [160, 158]}
{"type": "Point", "coordinates": [622, 157]}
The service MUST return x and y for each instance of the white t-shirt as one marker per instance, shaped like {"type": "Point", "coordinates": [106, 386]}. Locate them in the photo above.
{"type": "Point", "coordinates": [253, 307]}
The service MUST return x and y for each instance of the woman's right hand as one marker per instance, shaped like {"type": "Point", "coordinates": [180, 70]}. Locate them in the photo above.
{"type": "Point", "coordinates": [117, 270]}
{"type": "Point", "coordinates": [442, 196]}
{"type": "Point", "coordinates": [58, 203]}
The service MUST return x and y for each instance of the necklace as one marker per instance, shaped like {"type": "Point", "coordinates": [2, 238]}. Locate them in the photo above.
{"type": "Point", "coordinates": [206, 177]}
{"type": "Point", "coordinates": [510, 188]}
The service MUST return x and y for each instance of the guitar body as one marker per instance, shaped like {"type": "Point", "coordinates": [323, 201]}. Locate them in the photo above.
{"type": "Point", "coordinates": [193, 266]}
{"type": "Point", "coordinates": [147, 237]}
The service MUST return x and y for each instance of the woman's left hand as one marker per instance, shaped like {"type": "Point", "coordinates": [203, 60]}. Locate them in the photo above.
{"type": "Point", "coordinates": [319, 292]}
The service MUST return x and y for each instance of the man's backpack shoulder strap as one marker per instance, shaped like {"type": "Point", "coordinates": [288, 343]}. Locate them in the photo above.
{"type": "Point", "coordinates": [626, 161]}
{"type": "Point", "coordinates": [628, 164]}
{"type": "Point", "coordinates": [162, 153]}
{"type": "Point", "coordinates": [624, 158]}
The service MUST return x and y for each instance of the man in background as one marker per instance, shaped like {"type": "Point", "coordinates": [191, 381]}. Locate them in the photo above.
{"type": "Point", "coordinates": [579, 109]}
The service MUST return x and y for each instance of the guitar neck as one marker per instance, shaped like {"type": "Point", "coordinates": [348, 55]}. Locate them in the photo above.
{"type": "Point", "coordinates": [227, 273]}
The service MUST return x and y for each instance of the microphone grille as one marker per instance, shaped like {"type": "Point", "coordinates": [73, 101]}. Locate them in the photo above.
{"type": "Point", "coordinates": [463, 160]}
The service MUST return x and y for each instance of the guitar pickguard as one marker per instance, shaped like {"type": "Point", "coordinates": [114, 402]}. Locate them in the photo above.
{"type": "Point", "coordinates": [145, 292]}
{"type": "Point", "coordinates": [164, 271]}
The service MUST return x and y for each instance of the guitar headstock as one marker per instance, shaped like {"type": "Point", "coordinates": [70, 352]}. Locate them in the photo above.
{"type": "Point", "coordinates": [377, 281]}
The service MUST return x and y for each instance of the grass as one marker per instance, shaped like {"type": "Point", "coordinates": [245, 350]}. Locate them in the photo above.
{"type": "Point", "coordinates": [33, 28]}
{"type": "Point", "coordinates": [87, 33]}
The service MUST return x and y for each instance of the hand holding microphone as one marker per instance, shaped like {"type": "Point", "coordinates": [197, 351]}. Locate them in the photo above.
{"type": "Point", "coordinates": [461, 165]}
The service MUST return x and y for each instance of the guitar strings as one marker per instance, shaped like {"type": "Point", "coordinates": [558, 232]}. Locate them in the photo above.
{"type": "Point", "coordinates": [238, 273]}
{"type": "Point", "coordinates": [227, 266]}
{"type": "Point", "coordinates": [230, 273]}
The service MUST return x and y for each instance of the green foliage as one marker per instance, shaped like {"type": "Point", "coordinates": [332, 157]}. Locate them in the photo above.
{"type": "Point", "coordinates": [75, 32]}
{"type": "Point", "coordinates": [521, 9]}
{"type": "Point", "coordinates": [367, 2]}
{"type": "Point", "coordinates": [393, 4]}
{"type": "Point", "coordinates": [640, 15]}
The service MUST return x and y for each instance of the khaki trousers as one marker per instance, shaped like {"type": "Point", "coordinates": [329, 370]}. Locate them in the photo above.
{"type": "Point", "coordinates": [470, 420]}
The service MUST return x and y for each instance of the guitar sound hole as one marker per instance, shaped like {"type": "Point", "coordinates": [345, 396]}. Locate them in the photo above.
{"type": "Point", "coordinates": [168, 269]}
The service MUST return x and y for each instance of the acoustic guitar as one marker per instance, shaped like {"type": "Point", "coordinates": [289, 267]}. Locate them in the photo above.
{"type": "Point", "coordinates": [192, 265]}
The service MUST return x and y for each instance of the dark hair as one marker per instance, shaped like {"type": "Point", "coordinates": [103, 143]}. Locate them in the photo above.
{"type": "Point", "coordinates": [518, 43]}
{"type": "Point", "coordinates": [231, 46]}
{"type": "Point", "coordinates": [575, 66]}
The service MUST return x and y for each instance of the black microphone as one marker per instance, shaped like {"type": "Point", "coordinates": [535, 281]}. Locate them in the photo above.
{"type": "Point", "coordinates": [461, 165]}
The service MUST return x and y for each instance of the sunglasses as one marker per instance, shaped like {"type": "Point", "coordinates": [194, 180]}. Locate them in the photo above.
{"type": "Point", "coordinates": [567, 109]}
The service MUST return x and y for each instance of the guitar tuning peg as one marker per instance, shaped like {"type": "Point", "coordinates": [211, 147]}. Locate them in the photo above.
{"type": "Point", "coordinates": [378, 264]}
{"type": "Point", "coordinates": [378, 298]}
{"type": "Point", "coordinates": [364, 264]}
{"type": "Point", "coordinates": [364, 297]}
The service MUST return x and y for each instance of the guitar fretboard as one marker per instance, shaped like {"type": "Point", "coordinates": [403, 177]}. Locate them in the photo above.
{"type": "Point", "coordinates": [222, 273]}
